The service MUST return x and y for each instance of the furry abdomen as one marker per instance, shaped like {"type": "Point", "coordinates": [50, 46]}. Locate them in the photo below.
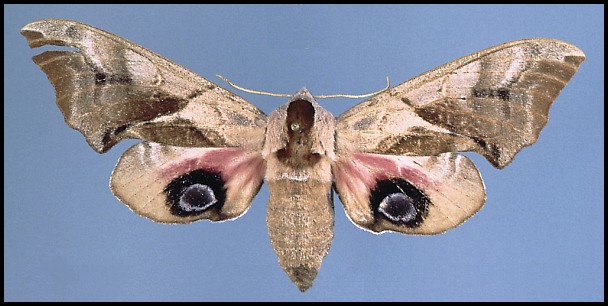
{"type": "Point", "coordinates": [300, 223]}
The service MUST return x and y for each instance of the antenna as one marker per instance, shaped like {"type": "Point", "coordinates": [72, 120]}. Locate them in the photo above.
{"type": "Point", "coordinates": [388, 85]}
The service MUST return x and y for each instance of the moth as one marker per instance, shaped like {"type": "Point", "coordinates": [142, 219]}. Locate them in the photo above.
{"type": "Point", "coordinates": [392, 159]}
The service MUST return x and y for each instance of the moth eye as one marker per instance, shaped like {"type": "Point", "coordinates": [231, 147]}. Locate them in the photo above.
{"type": "Point", "coordinates": [295, 126]}
{"type": "Point", "coordinates": [398, 207]}
{"type": "Point", "coordinates": [195, 192]}
{"type": "Point", "coordinates": [400, 202]}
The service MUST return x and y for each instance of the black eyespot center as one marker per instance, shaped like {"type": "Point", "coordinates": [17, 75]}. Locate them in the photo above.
{"type": "Point", "coordinates": [399, 202]}
{"type": "Point", "coordinates": [398, 207]}
{"type": "Point", "coordinates": [195, 192]}
{"type": "Point", "coordinates": [197, 197]}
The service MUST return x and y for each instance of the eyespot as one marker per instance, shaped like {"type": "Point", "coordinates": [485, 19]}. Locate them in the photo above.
{"type": "Point", "coordinates": [197, 197]}
{"type": "Point", "coordinates": [195, 192]}
{"type": "Point", "coordinates": [398, 207]}
{"type": "Point", "coordinates": [399, 202]}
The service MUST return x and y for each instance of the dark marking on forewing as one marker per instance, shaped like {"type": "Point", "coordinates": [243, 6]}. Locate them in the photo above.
{"type": "Point", "coordinates": [102, 78]}
{"type": "Point", "coordinates": [195, 94]}
{"type": "Point", "coordinates": [73, 32]}
{"type": "Point", "coordinates": [111, 137]}
{"type": "Point", "coordinates": [363, 123]}
{"type": "Point", "coordinates": [180, 132]}
{"type": "Point", "coordinates": [500, 93]}
{"type": "Point", "coordinates": [490, 149]}
{"type": "Point", "coordinates": [419, 141]}
{"type": "Point", "coordinates": [239, 119]}
{"type": "Point", "coordinates": [135, 114]}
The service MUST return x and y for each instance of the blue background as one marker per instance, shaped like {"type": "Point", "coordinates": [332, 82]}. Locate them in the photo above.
{"type": "Point", "coordinates": [540, 236]}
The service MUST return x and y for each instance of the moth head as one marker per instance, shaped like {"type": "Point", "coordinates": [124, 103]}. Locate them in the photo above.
{"type": "Point", "coordinates": [302, 94]}
{"type": "Point", "coordinates": [301, 112]}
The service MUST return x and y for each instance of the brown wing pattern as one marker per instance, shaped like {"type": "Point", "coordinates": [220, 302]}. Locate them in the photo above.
{"type": "Point", "coordinates": [110, 89]}
{"type": "Point", "coordinates": [494, 102]}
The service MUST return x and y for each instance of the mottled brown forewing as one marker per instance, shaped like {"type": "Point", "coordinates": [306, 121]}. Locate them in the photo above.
{"type": "Point", "coordinates": [494, 102]}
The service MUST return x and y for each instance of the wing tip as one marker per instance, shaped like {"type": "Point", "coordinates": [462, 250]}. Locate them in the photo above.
{"type": "Point", "coordinates": [568, 49]}
{"type": "Point", "coordinates": [39, 33]}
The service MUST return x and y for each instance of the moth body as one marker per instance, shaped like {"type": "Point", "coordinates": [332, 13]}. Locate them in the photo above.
{"type": "Point", "coordinates": [392, 159]}
{"type": "Point", "coordinates": [300, 217]}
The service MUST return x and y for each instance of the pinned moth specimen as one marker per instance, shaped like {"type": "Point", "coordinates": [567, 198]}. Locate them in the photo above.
{"type": "Point", "coordinates": [392, 159]}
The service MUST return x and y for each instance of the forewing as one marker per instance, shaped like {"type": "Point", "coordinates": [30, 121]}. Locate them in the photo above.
{"type": "Point", "coordinates": [110, 89]}
{"type": "Point", "coordinates": [494, 102]}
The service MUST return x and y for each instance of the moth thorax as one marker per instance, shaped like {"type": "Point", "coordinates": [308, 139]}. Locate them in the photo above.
{"type": "Point", "coordinates": [300, 127]}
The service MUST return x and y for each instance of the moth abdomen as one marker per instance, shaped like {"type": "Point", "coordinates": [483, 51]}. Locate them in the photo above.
{"type": "Point", "coordinates": [195, 193]}
{"type": "Point", "coordinates": [300, 222]}
{"type": "Point", "coordinates": [399, 202]}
